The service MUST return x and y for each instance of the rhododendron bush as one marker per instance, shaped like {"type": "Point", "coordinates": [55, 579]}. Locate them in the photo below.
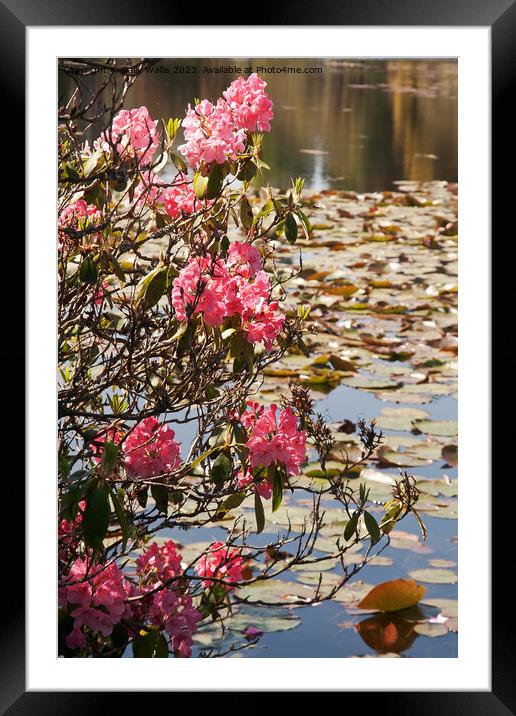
{"type": "Point", "coordinates": [170, 308]}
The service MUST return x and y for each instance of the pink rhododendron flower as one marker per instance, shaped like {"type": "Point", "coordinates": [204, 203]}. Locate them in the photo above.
{"type": "Point", "coordinates": [211, 134]}
{"type": "Point", "coordinates": [98, 296]}
{"type": "Point", "coordinates": [112, 434]}
{"type": "Point", "coordinates": [75, 639]}
{"type": "Point", "coordinates": [203, 286]}
{"type": "Point", "coordinates": [264, 326]}
{"type": "Point", "coordinates": [220, 289]}
{"type": "Point", "coordinates": [97, 596]}
{"type": "Point", "coordinates": [180, 200]}
{"type": "Point", "coordinates": [97, 599]}
{"type": "Point", "coordinates": [168, 608]}
{"type": "Point", "coordinates": [252, 413]}
{"type": "Point", "coordinates": [150, 449]}
{"type": "Point", "coordinates": [222, 563]}
{"type": "Point", "coordinates": [133, 134]}
{"type": "Point", "coordinates": [160, 563]}
{"type": "Point", "coordinates": [149, 190]}
{"type": "Point", "coordinates": [263, 488]}
{"type": "Point", "coordinates": [78, 216]}
{"type": "Point", "coordinates": [250, 104]}
{"type": "Point", "coordinates": [276, 437]}
{"type": "Point", "coordinates": [244, 259]}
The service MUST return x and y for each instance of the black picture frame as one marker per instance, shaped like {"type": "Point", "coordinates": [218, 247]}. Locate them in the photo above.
{"type": "Point", "coordinates": [500, 16]}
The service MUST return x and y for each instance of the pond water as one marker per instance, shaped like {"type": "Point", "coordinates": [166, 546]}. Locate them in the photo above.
{"type": "Point", "coordinates": [340, 123]}
{"type": "Point", "coordinates": [357, 124]}
{"type": "Point", "coordinates": [327, 630]}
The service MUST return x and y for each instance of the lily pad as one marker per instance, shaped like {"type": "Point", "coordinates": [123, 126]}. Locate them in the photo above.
{"type": "Point", "coordinates": [435, 576]}
{"type": "Point", "coordinates": [428, 629]}
{"type": "Point", "coordinates": [446, 428]}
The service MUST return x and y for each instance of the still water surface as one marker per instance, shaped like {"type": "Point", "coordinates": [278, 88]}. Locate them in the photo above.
{"type": "Point", "coordinates": [357, 124]}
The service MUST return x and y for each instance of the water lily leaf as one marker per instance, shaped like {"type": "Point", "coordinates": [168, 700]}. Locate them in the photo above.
{"type": "Point", "coordinates": [386, 456]}
{"type": "Point", "coordinates": [446, 428]}
{"type": "Point", "coordinates": [347, 290]}
{"type": "Point", "coordinates": [447, 607]}
{"type": "Point", "coordinates": [435, 576]}
{"type": "Point", "coordinates": [275, 590]}
{"type": "Point", "coordinates": [399, 418]}
{"type": "Point", "coordinates": [428, 629]}
{"type": "Point", "coordinates": [393, 595]}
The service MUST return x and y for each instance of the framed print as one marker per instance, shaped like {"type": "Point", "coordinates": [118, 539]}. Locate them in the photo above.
{"type": "Point", "coordinates": [244, 243]}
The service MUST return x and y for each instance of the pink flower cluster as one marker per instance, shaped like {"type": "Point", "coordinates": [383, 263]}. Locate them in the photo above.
{"type": "Point", "coordinates": [78, 216]}
{"type": "Point", "coordinates": [97, 597]}
{"type": "Point", "coordinates": [134, 135]}
{"type": "Point", "coordinates": [149, 190]}
{"type": "Point", "coordinates": [223, 288]}
{"type": "Point", "coordinates": [222, 563]}
{"type": "Point", "coordinates": [211, 134]}
{"type": "Point", "coordinates": [263, 487]}
{"type": "Point", "coordinates": [218, 132]}
{"type": "Point", "coordinates": [275, 437]}
{"type": "Point", "coordinates": [168, 608]}
{"type": "Point", "coordinates": [150, 449]}
{"type": "Point", "coordinates": [179, 200]}
{"type": "Point", "coordinates": [250, 104]}
{"type": "Point", "coordinates": [68, 533]}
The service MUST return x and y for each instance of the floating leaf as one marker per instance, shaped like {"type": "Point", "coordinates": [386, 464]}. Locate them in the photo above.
{"type": "Point", "coordinates": [393, 595]}
{"type": "Point", "coordinates": [435, 576]}
{"type": "Point", "coordinates": [428, 629]}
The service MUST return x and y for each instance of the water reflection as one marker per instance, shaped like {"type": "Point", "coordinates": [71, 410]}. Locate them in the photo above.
{"type": "Point", "coordinates": [358, 125]}
{"type": "Point", "coordinates": [391, 633]}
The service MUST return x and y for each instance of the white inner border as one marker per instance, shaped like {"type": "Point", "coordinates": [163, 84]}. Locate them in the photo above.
{"type": "Point", "coordinates": [471, 670]}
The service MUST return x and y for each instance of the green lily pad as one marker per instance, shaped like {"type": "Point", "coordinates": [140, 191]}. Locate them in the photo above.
{"type": "Point", "coordinates": [429, 629]}
{"type": "Point", "coordinates": [399, 418]}
{"type": "Point", "coordinates": [446, 428]}
{"type": "Point", "coordinates": [434, 576]}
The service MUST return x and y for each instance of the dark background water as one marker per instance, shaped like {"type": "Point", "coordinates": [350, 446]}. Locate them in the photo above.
{"type": "Point", "coordinates": [353, 124]}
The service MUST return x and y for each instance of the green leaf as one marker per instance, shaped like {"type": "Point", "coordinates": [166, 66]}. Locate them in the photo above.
{"type": "Point", "coordinates": [178, 162]}
{"type": "Point", "coordinates": [88, 272]}
{"type": "Point", "coordinates": [152, 287]}
{"type": "Point", "coordinates": [117, 269]}
{"type": "Point", "coordinates": [246, 213]}
{"type": "Point", "coordinates": [145, 645]}
{"type": "Point", "coordinates": [351, 527]}
{"type": "Point", "coordinates": [372, 527]}
{"type": "Point", "coordinates": [160, 495]}
{"type": "Point", "coordinates": [290, 229]}
{"type": "Point", "coordinates": [222, 469]}
{"type": "Point", "coordinates": [161, 650]}
{"type": "Point", "coordinates": [109, 457]}
{"type": "Point", "coordinates": [95, 520]}
{"type": "Point", "coordinates": [277, 488]}
{"type": "Point", "coordinates": [200, 185]}
{"type": "Point", "coordinates": [303, 347]}
{"type": "Point", "coordinates": [259, 513]}
{"type": "Point", "coordinates": [215, 182]}
{"type": "Point", "coordinates": [117, 500]}
{"type": "Point", "coordinates": [266, 209]}
{"type": "Point", "coordinates": [155, 288]}
{"type": "Point", "coordinates": [232, 502]}
{"type": "Point", "coordinates": [247, 172]}
{"type": "Point", "coordinates": [305, 223]}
